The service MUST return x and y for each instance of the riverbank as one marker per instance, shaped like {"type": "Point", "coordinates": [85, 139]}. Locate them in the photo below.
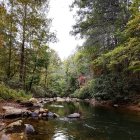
{"type": "Point", "coordinates": [131, 106]}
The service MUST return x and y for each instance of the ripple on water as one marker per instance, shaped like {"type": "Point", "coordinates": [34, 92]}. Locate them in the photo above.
{"type": "Point", "coordinates": [61, 135]}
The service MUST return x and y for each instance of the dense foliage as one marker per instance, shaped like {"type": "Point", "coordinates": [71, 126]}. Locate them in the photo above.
{"type": "Point", "coordinates": [26, 61]}
{"type": "Point", "coordinates": [112, 33]}
{"type": "Point", "coordinates": [108, 60]}
{"type": "Point", "coordinates": [6, 93]}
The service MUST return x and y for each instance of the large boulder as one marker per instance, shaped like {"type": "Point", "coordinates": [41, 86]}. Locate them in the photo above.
{"type": "Point", "coordinates": [12, 112]}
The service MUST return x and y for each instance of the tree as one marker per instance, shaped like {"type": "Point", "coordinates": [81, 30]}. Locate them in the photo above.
{"type": "Point", "coordinates": [100, 22]}
{"type": "Point", "coordinates": [23, 39]}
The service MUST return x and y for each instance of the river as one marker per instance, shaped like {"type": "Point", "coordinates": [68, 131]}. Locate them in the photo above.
{"type": "Point", "coordinates": [96, 123]}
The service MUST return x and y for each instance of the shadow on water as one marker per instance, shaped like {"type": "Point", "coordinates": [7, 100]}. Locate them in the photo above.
{"type": "Point", "coordinates": [96, 123]}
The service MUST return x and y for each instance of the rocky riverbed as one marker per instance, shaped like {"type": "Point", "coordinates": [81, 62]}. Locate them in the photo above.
{"type": "Point", "coordinates": [25, 117]}
{"type": "Point", "coordinates": [28, 109]}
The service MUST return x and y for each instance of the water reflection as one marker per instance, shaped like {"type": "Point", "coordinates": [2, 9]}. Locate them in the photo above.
{"type": "Point", "coordinates": [60, 135]}
{"type": "Point", "coordinates": [96, 123]}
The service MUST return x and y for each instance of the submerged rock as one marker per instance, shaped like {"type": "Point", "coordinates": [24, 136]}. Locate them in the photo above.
{"type": "Point", "coordinates": [29, 129]}
{"type": "Point", "coordinates": [52, 115]}
{"type": "Point", "coordinates": [74, 115]}
{"type": "Point", "coordinates": [34, 114]}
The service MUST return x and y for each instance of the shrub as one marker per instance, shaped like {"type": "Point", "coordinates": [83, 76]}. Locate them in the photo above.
{"type": "Point", "coordinates": [41, 92]}
{"type": "Point", "coordinates": [84, 92]}
{"type": "Point", "coordinates": [7, 93]}
{"type": "Point", "coordinates": [112, 87]}
{"type": "Point", "coordinates": [107, 87]}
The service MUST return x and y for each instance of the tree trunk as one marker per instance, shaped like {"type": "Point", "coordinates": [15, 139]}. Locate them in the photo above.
{"type": "Point", "coordinates": [10, 46]}
{"type": "Point", "coordinates": [22, 53]}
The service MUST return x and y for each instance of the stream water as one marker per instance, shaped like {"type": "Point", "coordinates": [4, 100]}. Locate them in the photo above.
{"type": "Point", "coordinates": [96, 123]}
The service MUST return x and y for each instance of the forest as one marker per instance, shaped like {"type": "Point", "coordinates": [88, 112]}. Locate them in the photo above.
{"type": "Point", "coordinates": [109, 59]}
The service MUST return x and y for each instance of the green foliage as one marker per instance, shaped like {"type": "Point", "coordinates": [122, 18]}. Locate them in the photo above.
{"type": "Point", "coordinates": [7, 93]}
{"type": "Point", "coordinates": [121, 59]}
{"type": "Point", "coordinates": [85, 92]}
{"type": "Point", "coordinates": [101, 23]}
{"type": "Point", "coordinates": [42, 92]}
{"type": "Point", "coordinates": [111, 45]}
{"type": "Point", "coordinates": [110, 87]}
{"type": "Point", "coordinates": [109, 57]}
{"type": "Point", "coordinates": [25, 58]}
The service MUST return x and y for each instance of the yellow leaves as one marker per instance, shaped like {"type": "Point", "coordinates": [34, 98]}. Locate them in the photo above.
{"type": "Point", "coordinates": [133, 26]}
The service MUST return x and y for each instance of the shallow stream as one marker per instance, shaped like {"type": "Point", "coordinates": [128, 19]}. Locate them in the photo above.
{"type": "Point", "coordinates": [96, 123]}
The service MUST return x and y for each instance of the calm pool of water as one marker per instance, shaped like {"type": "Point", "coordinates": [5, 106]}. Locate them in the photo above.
{"type": "Point", "coordinates": [96, 123]}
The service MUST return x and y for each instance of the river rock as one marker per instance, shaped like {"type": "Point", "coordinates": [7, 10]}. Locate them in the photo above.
{"type": "Point", "coordinates": [51, 99]}
{"type": "Point", "coordinates": [17, 123]}
{"type": "Point", "coordinates": [12, 112]}
{"type": "Point", "coordinates": [68, 99]}
{"type": "Point", "coordinates": [75, 100]}
{"type": "Point", "coordinates": [41, 110]}
{"type": "Point", "coordinates": [86, 100]}
{"type": "Point", "coordinates": [74, 115]}
{"type": "Point", "coordinates": [2, 126]}
{"type": "Point", "coordinates": [56, 115]}
{"type": "Point", "coordinates": [26, 104]}
{"type": "Point", "coordinates": [46, 99]}
{"type": "Point", "coordinates": [36, 111]}
{"type": "Point", "coordinates": [60, 99]}
{"type": "Point", "coordinates": [116, 105]}
{"type": "Point", "coordinates": [52, 115]}
{"type": "Point", "coordinates": [40, 116]}
{"type": "Point", "coordinates": [27, 114]}
{"type": "Point", "coordinates": [55, 98]}
{"type": "Point", "coordinates": [29, 129]}
{"type": "Point", "coordinates": [44, 115]}
{"type": "Point", "coordinates": [33, 100]}
{"type": "Point", "coordinates": [34, 114]}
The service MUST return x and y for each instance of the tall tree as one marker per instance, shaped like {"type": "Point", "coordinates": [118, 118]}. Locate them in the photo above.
{"type": "Point", "coordinates": [101, 22]}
